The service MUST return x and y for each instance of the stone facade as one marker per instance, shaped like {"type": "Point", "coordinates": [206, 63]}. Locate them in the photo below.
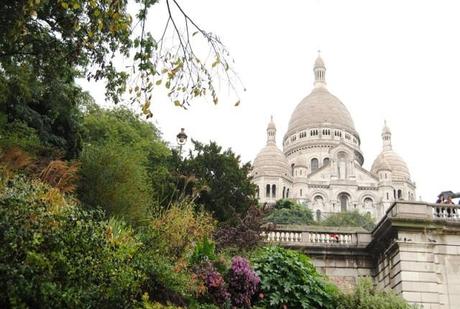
{"type": "Point", "coordinates": [321, 162]}
{"type": "Point", "coordinates": [414, 250]}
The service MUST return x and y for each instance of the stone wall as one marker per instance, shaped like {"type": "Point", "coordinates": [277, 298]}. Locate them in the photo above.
{"type": "Point", "coordinates": [414, 250]}
{"type": "Point", "coordinates": [418, 253]}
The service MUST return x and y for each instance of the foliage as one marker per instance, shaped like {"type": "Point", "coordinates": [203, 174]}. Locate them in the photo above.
{"type": "Point", "coordinates": [64, 39]}
{"type": "Point", "coordinates": [179, 227]}
{"type": "Point", "coordinates": [288, 278]}
{"type": "Point", "coordinates": [366, 296]}
{"type": "Point", "coordinates": [17, 135]}
{"type": "Point", "coordinates": [295, 214]}
{"type": "Point", "coordinates": [225, 188]}
{"type": "Point", "coordinates": [112, 178]}
{"type": "Point", "coordinates": [114, 170]}
{"type": "Point", "coordinates": [62, 175]}
{"type": "Point", "coordinates": [56, 255]}
{"type": "Point", "coordinates": [242, 282]}
{"type": "Point", "coordinates": [204, 251]}
{"type": "Point", "coordinates": [353, 218]}
{"type": "Point", "coordinates": [242, 236]}
{"type": "Point", "coordinates": [121, 126]}
{"type": "Point", "coordinates": [39, 104]}
{"type": "Point", "coordinates": [284, 203]}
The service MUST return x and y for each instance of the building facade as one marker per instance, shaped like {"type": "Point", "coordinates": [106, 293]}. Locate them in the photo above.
{"type": "Point", "coordinates": [321, 161]}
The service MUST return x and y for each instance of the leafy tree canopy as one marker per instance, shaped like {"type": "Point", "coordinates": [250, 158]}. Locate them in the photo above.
{"type": "Point", "coordinates": [67, 38]}
{"type": "Point", "coordinates": [114, 171]}
{"type": "Point", "coordinates": [295, 214]}
{"type": "Point", "coordinates": [284, 203]}
{"type": "Point", "coordinates": [215, 178]}
{"type": "Point", "coordinates": [351, 218]}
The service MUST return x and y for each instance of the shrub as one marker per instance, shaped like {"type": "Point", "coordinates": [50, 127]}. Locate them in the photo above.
{"type": "Point", "coordinates": [288, 278]}
{"type": "Point", "coordinates": [179, 227]}
{"type": "Point", "coordinates": [242, 282]}
{"type": "Point", "coordinates": [112, 177]}
{"type": "Point", "coordinates": [366, 296]}
{"type": "Point", "coordinates": [296, 214]}
{"type": "Point", "coordinates": [204, 251]}
{"type": "Point", "coordinates": [284, 203]}
{"type": "Point", "coordinates": [243, 236]}
{"type": "Point", "coordinates": [55, 254]}
{"type": "Point", "coordinates": [353, 218]}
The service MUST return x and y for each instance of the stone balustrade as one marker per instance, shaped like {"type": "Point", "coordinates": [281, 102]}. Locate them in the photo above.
{"type": "Point", "coordinates": [305, 236]}
{"type": "Point", "coordinates": [446, 212]}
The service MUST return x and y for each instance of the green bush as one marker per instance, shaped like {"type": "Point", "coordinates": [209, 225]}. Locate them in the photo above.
{"type": "Point", "coordinates": [352, 218]}
{"type": "Point", "coordinates": [113, 178]}
{"type": "Point", "coordinates": [288, 278]}
{"type": "Point", "coordinates": [204, 251]}
{"type": "Point", "coordinates": [284, 203]}
{"type": "Point", "coordinates": [296, 214]}
{"type": "Point", "coordinates": [366, 296]}
{"type": "Point", "coordinates": [55, 254]}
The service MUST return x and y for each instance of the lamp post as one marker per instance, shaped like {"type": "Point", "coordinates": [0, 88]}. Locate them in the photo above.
{"type": "Point", "coordinates": [181, 139]}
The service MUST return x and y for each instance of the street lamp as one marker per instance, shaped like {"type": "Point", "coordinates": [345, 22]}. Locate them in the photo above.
{"type": "Point", "coordinates": [181, 139]}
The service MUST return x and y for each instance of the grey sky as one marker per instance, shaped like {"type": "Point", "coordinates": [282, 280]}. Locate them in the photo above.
{"type": "Point", "coordinates": [394, 60]}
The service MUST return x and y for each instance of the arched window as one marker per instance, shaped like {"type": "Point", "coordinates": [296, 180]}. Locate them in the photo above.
{"type": "Point", "coordinates": [292, 169]}
{"type": "Point", "coordinates": [300, 192]}
{"type": "Point", "coordinates": [273, 191]}
{"type": "Point", "coordinates": [318, 200]}
{"type": "Point", "coordinates": [399, 194]}
{"type": "Point", "coordinates": [267, 191]}
{"type": "Point", "coordinates": [314, 164]}
{"type": "Point", "coordinates": [325, 161]}
{"type": "Point", "coordinates": [388, 196]}
{"type": "Point", "coordinates": [368, 202]}
{"type": "Point", "coordinates": [257, 192]}
{"type": "Point", "coordinates": [287, 193]}
{"type": "Point", "coordinates": [318, 215]}
{"type": "Point", "coordinates": [343, 197]}
{"type": "Point", "coordinates": [284, 191]}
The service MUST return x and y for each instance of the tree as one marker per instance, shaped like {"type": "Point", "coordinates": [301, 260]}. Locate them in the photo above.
{"type": "Point", "coordinates": [114, 174]}
{"type": "Point", "coordinates": [295, 214]}
{"type": "Point", "coordinates": [353, 218]}
{"type": "Point", "coordinates": [226, 189]}
{"type": "Point", "coordinates": [70, 38]}
{"type": "Point", "coordinates": [284, 203]}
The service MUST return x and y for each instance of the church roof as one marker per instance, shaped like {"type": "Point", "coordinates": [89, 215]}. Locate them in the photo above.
{"type": "Point", "coordinates": [318, 108]}
{"type": "Point", "coordinates": [271, 161]}
{"type": "Point", "coordinates": [390, 160]}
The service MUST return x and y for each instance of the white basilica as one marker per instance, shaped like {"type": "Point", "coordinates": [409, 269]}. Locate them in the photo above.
{"type": "Point", "coordinates": [321, 162]}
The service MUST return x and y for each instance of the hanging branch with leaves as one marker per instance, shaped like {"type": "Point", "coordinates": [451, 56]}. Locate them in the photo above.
{"type": "Point", "coordinates": [91, 38]}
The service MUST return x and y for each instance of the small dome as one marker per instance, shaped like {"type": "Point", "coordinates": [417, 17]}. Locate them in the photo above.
{"type": "Point", "coordinates": [391, 161]}
{"type": "Point", "coordinates": [319, 62]}
{"type": "Point", "coordinates": [319, 108]}
{"type": "Point", "coordinates": [270, 161]}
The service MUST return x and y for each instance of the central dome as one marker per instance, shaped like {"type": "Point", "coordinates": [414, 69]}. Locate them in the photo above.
{"type": "Point", "coordinates": [318, 108]}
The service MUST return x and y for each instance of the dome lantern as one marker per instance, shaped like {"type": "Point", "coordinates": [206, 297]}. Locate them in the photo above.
{"type": "Point", "coordinates": [320, 72]}
{"type": "Point", "coordinates": [271, 132]}
{"type": "Point", "coordinates": [386, 137]}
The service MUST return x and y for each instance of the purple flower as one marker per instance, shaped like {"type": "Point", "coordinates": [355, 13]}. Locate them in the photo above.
{"type": "Point", "coordinates": [242, 282]}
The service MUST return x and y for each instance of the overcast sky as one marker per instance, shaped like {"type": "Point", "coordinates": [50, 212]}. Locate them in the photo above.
{"type": "Point", "coordinates": [394, 60]}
